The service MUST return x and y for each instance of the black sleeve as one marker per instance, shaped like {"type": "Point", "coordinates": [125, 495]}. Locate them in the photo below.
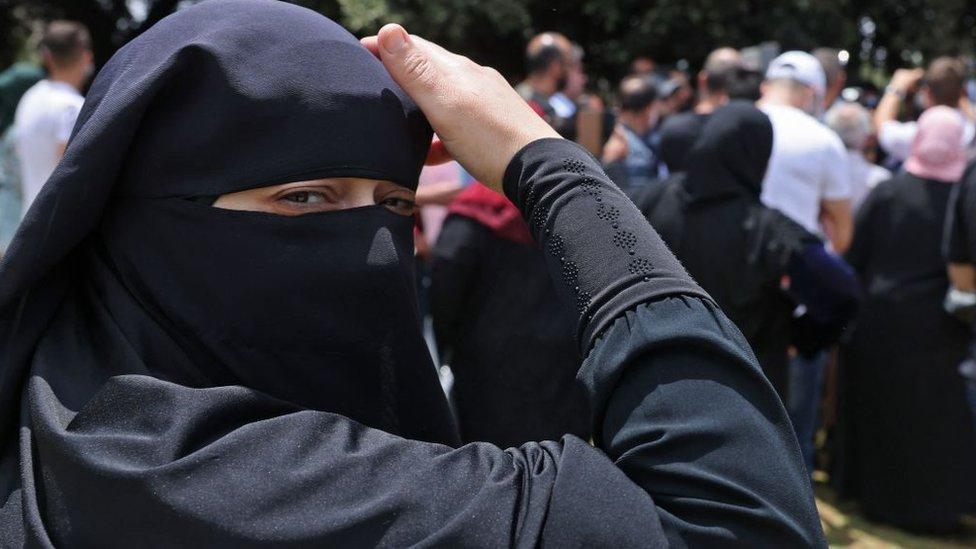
{"type": "Point", "coordinates": [602, 253]}
{"type": "Point", "coordinates": [454, 269]}
{"type": "Point", "coordinates": [679, 400]}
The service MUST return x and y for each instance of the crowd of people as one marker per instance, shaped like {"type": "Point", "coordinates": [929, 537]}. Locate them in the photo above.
{"type": "Point", "coordinates": [835, 231]}
{"type": "Point", "coordinates": [814, 217]}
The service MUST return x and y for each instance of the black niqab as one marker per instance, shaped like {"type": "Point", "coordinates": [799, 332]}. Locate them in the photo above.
{"type": "Point", "coordinates": [116, 273]}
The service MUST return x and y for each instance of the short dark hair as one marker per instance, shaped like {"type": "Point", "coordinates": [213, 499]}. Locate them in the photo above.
{"type": "Point", "coordinates": [744, 83]}
{"type": "Point", "coordinates": [636, 92]}
{"type": "Point", "coordinates": [945, 78]}
{"type": "Point", "coordinates": [717, 80]}
{"type": "Point", "coordinates": [539, 60]}
{"type": "Point", "coordinates": [65, 41]}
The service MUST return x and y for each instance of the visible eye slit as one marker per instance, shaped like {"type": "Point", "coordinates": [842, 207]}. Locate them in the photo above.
{"type": "Point", "coordinates": [304, 197]}
{"type": "Point", "coordinates": [399, 205]}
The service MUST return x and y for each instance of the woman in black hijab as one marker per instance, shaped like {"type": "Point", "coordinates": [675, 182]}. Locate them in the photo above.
{"type": "Point", "coordinates": [741, 251]}
{"type": "Point", "coordinates": [909, 436]}
{"type": "Point", "coordinates": [184, 365]}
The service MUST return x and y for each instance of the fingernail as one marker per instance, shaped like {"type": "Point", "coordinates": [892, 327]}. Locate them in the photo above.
{"type": "Point", "coordinates": [395, 40]}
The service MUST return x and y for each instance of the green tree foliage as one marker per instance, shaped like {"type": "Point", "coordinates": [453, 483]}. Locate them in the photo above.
{"type": "Point", "coordinates": [112, 23]}
{"type": "Point", "coordinates": [880, 34]}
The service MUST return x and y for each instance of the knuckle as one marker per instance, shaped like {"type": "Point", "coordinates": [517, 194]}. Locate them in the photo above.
{"type": "Point", "coordinates": [416, 68]}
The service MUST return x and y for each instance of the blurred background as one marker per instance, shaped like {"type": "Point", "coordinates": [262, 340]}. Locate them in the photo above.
{"type": "Point", "coordinates": [877, 36]}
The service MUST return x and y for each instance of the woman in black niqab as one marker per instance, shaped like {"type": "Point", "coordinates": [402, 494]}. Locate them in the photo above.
{"type": "Point", "coordinates": [204, 296]}
{"type": "Point", "coordinates": [740, 250]}
{"type": "Point", "coordinates": [176, 374]}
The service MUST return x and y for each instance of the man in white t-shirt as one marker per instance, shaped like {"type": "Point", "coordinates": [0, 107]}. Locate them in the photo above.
{"type": "Point", "coordinates": [47, 112]}
{"type": "Point", "coordinates": [807, 178]}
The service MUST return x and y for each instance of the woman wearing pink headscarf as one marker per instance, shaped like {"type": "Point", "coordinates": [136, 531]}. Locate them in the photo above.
{"type": "Point", "coordinates": [912, 459]}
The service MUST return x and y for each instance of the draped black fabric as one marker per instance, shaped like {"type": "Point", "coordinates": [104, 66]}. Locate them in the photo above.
{"type": "Point", "coordinates": [909, 434]}
{"type": "Point", "coordinates": [503, 397]}
{"type": "Point", "coordinates": [735, 247]}
{"type": "Point", "coordinates": [679, 134]}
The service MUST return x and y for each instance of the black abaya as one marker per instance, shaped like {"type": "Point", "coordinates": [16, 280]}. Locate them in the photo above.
{"type": "Point", "coordinates": [905, 412]}
{"type": "Point", "coordinates": [172, 375]}
{"type": "Point", "coordinates": [736, 248]}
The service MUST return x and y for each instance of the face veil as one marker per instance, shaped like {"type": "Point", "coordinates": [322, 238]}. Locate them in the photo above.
{"type": "Point", "coordinates": [117, 271]}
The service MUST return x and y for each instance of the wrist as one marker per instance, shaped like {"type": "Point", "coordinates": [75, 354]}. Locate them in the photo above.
{"type": "Point", "coordinates": [895, 92]}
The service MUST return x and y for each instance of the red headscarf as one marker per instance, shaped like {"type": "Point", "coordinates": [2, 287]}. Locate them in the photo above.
{"type": "Point", "coordinates": [494, 211]}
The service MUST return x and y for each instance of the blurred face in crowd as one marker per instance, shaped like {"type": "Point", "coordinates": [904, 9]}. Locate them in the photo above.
{"type": "Point", "coordinates": [642, 65]}
{"type": "Point", "coordinates": [575, 80]}
{"type": "Point", "coordinates": [559, 71]}
{"type": "Point", "coordinates": [321, 195]}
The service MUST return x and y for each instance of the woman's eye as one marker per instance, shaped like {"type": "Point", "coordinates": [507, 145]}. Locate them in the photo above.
{"type": "Point", "coordinates": [304, 197]}
{"type": "Point", "coordinates": [400, 205]}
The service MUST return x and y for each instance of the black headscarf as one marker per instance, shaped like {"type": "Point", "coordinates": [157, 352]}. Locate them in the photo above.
{"type": "Point", "coordinates": [678, 135]}
{"type": "Point", "coordinates": [731, 156]}
{"type": "Point", "coordinates": [117, 272]}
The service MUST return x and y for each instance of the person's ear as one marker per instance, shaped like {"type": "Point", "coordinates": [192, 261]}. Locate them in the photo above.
{"type": "Point", "coordinates": [702, 80]}
{"type": "Point", "coordinates": [47, 60]}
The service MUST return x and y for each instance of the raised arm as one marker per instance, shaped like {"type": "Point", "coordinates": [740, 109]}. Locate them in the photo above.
{"type": "Point", "coordinates": [679, 400]}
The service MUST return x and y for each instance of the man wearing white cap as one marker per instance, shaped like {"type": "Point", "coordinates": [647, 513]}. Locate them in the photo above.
{"type": "Point", "coordinates": [808, 180]}
{"type": "Point", "coordinates": [807, 177]}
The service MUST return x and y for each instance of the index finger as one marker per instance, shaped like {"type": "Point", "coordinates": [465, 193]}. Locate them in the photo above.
{"type": "Point", "coordinates": [372, 44]}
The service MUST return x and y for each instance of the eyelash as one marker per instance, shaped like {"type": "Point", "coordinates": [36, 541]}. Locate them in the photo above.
{"type": "Point", "coordinates": [397, 203]}
{"type": "Point", "coordinates": [401, 202]}
{"type": "Point", "coordinates": [307, 194]}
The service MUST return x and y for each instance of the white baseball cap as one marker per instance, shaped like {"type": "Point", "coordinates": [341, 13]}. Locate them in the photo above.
{"type": "Point", "coordinates": [801, 67]}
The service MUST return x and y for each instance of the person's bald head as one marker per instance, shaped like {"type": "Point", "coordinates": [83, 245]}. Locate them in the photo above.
{"type": "Point", "coordinates": [723, 58]}
{"type": "Point", "coordinates": [719, 67]}
{"type": "Point", "coordinates": [545, 49]}
{"type": "Point", "coordinates": [549, 39]}
{"type": "Point", "coordinates": [637, 92]}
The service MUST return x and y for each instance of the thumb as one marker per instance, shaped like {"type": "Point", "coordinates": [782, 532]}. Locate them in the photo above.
{"type": "Point", "coordinates": [409, 65]}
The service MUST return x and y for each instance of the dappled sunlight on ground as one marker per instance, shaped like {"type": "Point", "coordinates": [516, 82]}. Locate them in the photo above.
{"type": "Point", "coordinates": [845, 527]}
